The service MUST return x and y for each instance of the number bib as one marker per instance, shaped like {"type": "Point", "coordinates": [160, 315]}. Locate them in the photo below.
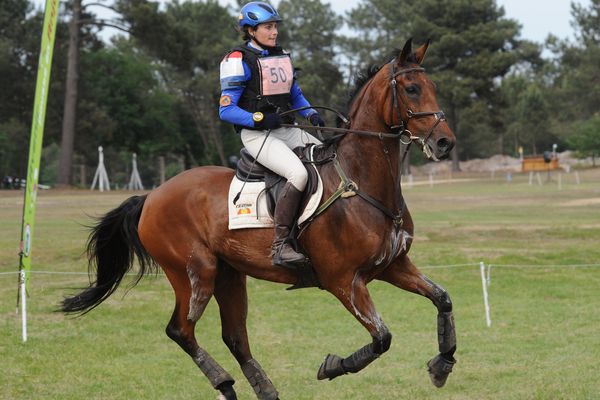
{"type": "Point", "coordinates": [277, 75]}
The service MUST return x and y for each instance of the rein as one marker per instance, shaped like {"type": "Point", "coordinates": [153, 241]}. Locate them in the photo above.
{"type": "Point", "coordinates": [353, 131]}
{"type": "Point", "coordinates": [399, 131]}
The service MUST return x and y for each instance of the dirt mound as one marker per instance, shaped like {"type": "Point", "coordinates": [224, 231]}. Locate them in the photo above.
{"type": "Point", "coordinates": [499, 163]}
{"type": "Point", "coordinates": [494, 163]}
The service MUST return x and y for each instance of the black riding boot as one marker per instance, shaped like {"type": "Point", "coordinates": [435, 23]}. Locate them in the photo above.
{"type": "Point", "coordinates": [285, 213]}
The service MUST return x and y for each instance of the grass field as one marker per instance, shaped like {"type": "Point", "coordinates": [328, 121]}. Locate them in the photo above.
{"type": "Point", "coordinates": [544, 342]}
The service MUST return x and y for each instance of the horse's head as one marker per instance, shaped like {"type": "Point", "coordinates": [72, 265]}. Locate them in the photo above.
{"type": "Point", "coordinates": [413, 109]}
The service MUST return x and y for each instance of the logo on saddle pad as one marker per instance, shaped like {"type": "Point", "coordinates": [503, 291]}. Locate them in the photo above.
{"type": "Point", "coordinates": [244, 208]}
{"type": "Point", "coordinates": [252, 211]}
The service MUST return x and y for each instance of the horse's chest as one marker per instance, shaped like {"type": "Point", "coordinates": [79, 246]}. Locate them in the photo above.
{"type": "Point", "coordinates": [395, 243]}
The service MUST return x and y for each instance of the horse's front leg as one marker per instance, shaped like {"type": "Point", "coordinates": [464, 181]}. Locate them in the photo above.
{"type": "Point", "coordinates": [405, 275]}
{"type": "Point", "coordinates": [355, 297]}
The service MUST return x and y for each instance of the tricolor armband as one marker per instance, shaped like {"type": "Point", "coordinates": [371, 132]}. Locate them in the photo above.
{"type": "Point", "coordinates": [232, 71]}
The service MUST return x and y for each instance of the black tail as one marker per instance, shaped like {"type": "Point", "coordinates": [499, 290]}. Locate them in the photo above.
{"type": "Point", "coordinates": [112, 246]}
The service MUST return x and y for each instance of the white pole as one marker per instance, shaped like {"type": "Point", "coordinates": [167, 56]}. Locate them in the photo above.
{"type": "Point", "coordinates": [577, 177]}
{"type": "Point", "coordinates": [559, 181]}
{"type": "Point", "coordinates": [23, 305]}
{"type": "Point", "coordinates": [135, 182]}
{"type": "Point", "coordinates": [488, 320]}
{"type": "Point", "coordinates": [101, 176]}
{"type": "Point", "coordinates": [539, 178]}
{"type": "Point", "coordinates": [530, 178]}
{"type": "Point", "coordinates": [101, 168]}
{"type": "Point", "coordinates": [430, 180]}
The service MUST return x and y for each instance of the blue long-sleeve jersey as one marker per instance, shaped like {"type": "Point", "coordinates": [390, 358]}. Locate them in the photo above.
{"type": "Point", "coordinates": [233, 84]}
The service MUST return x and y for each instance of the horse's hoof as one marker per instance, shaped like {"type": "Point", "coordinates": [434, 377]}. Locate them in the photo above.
{"type": "Point", "coordinates": [221, 396]}
{"type": "Point", "coordinates": [439, 368]}
{"type": "Point", "coordinates": [331, 367]}
{"type": "Point", "coordinates": [227, 392]}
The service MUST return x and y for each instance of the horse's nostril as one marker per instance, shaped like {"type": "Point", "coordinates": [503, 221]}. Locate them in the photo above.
{"type": "Point", "coordinates": [444, 144]}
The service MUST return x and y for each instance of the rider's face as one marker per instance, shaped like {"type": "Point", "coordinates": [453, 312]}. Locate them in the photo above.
{"type": "Point", "coordinates": [265, 34]}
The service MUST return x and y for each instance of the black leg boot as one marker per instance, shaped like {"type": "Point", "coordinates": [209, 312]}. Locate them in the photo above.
{"type": "Point", "coordinates": [285, 212]}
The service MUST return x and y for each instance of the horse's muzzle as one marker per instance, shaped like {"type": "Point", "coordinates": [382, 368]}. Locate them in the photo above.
{"type": "Point", "coordinates": [439, 149]}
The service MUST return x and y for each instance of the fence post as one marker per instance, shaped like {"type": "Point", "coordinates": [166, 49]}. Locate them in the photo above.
{"type": "Point", "coordinates": [486, 303]}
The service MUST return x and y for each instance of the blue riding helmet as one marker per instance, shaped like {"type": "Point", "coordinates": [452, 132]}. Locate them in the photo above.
{"type": "Point", "coordinates": [258, 12]}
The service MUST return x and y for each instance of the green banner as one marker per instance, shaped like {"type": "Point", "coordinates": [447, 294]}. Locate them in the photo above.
{"type": "Point", "coordinates": [37, 133]}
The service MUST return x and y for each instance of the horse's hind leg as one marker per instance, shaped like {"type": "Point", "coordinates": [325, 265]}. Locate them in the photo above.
{"type": "Point", "coordinates": [193, 290]}
{"type": "Point", "coordinates": [405, 275]}
{"type": "Point", "coordinates": [357, 300]}
{"type": "Point", "coordinates": [230, 292]}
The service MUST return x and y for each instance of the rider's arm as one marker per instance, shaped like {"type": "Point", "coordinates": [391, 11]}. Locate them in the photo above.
{"type": "Point", "coordinates": [234, 75]}
{"type": "Point", "coordinates": [298, 101]}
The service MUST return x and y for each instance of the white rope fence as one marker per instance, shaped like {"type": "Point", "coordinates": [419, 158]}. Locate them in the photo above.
{"type": "Point", "coordinates": [485, 271]}
{"type": "Point", "coordinates": [426, 267]}
{"type": "Point", "coordinates": [57, 273]}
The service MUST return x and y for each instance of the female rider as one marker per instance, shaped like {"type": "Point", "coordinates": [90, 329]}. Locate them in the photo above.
{"type": "Point", "coordinates": [258, 83]}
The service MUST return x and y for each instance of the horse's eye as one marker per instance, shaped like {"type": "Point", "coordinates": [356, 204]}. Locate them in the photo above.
{"type": "Point", "coordinates": [412, 89]}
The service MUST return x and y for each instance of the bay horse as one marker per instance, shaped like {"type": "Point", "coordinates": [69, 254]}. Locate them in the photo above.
{"type": "Point", "coordinates": [183, 227]}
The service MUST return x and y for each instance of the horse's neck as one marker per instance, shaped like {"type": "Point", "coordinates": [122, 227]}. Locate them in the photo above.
{"type": "Point", "coordinates": [371, 162]}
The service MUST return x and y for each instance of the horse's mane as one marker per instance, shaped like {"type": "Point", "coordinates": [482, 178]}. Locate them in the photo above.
{"type": "Point", "coordinates": [370, 71]}
{"type": "Point", "coordinates": [361, 79]}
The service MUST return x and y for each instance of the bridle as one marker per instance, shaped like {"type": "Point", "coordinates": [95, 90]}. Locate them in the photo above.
{"type": "Point", "coordinates": [401, 127]}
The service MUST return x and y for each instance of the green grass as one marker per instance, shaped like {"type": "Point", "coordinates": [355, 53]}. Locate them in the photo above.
{"type": "Point", "coordinates": [543, 343]}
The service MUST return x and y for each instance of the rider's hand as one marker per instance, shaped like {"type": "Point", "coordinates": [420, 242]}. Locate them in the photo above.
{"type": "Point", "coordinates": [268, 121]}
{"type": "Point", "coordinates": [316, 120]}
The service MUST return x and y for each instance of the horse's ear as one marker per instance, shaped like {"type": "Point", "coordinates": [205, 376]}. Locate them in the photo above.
{"type": "Point", "coordinates": [406, 51]}
{"type": "Point", "coordinates": [420, 52]}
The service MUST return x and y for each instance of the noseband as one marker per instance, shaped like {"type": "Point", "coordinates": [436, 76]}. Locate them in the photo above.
{"type": "Point", "coordinates": [401, 128]}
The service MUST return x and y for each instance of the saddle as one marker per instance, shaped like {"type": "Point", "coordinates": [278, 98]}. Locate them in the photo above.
{"type": "Point", "coordinates": [250, 170]}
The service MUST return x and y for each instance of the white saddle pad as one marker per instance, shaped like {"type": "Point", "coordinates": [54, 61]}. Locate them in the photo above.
{"type": "Point", "coordinates": [251, 210]}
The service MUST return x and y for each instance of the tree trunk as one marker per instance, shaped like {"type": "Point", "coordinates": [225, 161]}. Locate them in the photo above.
{"type": "Point", "coordinates": [453, 122]}
{"type": "Point", "coordinates": [161, 169]}
{"type": "Point", "coordinates": [455, 160]}
{"type": "Point", "coordinates": [501, 143]}
{"type": "Point", "coordinates": [207, 129]}
{"type": "Point", "coordinates": [70, 110]}
{"type": "Point", "coordinates": [213, 131]}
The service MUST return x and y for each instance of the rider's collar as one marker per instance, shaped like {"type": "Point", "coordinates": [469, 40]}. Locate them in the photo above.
{"type": "Point", "coordinates": [263, 51]}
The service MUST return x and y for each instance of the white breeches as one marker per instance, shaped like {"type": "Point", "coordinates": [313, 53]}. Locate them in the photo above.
{"type": "Point", "coordinates": [277, 154]}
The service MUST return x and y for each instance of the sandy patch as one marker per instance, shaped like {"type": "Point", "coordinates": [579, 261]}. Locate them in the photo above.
{"type": "Point", "coordinates": [582, 202]}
